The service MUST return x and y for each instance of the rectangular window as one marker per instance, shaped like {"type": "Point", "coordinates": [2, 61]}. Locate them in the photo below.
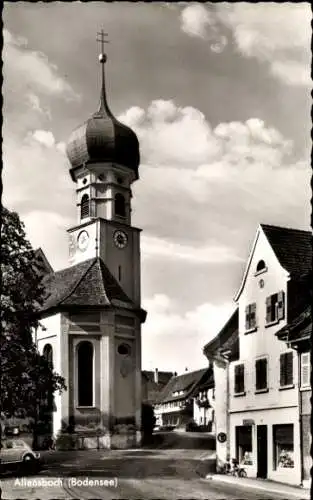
{"type": "Point", "coordinates": [305, 369]}
{"type": "Point", "coordinates": [239, 379]}
{"type": "Point", "coordinates": [283, 446]}
{"type": "Point", "coordinates": [261, 374]}
{"type": "Point", "coordinates": [286, 369]}
{"type": "Point", "coordinates": [275, 307]}
{"type": "Point", "coordinates": [251, 316]}
{"type": "Point", "coordinates": [244, 444]}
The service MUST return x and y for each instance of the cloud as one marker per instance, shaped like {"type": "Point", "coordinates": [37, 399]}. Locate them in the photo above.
{"type": "Point", "coordinates": [189, 330]}
{"type": "Point", "coordinates": [171, 135]}
{"type": "Point", "coordinates": [44, 137]}
{"type": "Point", "coordinates": [274, 33]}
{"type": "Point", "coordinates": [198, 21]}
{"type": "Point", "coordinates": [29, 68]}
{"type": "Point", "coordinates": [35, 105]}
{"type": "Point", "coordinates": [156, 247]}
{"type": "Point", "coordinates": [197, 182]}
{"type": "Point", "coordinates": [278, 34]}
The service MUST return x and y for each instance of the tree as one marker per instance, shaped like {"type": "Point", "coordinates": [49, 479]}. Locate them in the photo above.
{"type": "Point", "coordinates": [26, 377]}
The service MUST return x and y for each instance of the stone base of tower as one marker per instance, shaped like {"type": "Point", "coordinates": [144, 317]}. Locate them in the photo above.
{"type": "Point", "coordinates": [106, 440]}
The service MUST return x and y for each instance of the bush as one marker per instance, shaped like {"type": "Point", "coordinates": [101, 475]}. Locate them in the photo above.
{"type": "Point", "coordinates": [66, 442]}
{"type": "Point", "coordinates": [191, 426]}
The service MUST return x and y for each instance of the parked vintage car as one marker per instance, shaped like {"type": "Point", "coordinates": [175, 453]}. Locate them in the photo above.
{"type": "Point", "coordinates": [17, 454]}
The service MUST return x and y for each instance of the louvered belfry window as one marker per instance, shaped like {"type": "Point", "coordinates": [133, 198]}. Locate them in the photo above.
{"type": "Point", "coordinates": [84, 207]}
{"type": "Point", "coordinates": [286, 369]}
{"type": "Point", "coordinates": [275, 307]}
{"type": "Point", "coordinates": [239, 379]}
{"type": "Point", "coordinates": [261, 374]}
{"type": "Point", "coordinates": [120, 205]}
{"type": "Point", "coordinates": [250, 316]}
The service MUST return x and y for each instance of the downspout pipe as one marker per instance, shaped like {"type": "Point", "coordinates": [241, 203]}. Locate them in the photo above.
{"type": "Point", "coordinates": [300, 420]}
{"type": "Point", "coordinates": [300, 412]}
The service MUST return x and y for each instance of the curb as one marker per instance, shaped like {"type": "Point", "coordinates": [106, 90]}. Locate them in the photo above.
{"type": "Point", "coordinates": [296, 492]}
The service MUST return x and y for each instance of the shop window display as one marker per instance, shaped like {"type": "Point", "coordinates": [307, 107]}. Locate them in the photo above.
{"type": "Point", "coordinates": [283, 446]}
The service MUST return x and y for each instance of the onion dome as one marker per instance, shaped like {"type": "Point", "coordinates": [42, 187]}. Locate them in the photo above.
{"type": "Point", "coordinates": [102, 138]}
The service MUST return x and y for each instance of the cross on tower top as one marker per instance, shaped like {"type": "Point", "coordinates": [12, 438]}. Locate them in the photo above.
{"type": "Point", "coordinates": [101, 39]}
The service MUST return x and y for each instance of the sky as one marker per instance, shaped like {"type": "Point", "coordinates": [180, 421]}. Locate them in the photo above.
{"type": "Point", "coordinates": [219, 96]}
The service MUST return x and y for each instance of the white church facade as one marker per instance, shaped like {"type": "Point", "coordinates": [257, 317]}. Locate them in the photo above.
{"type": "Point", "coordinates": [91, 319]}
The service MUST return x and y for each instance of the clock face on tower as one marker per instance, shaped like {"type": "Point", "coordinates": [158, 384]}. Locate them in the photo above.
{"type": "Point", "coordinates": [83, 240]}
{"type": "Point", "coordinates": [120, 239]}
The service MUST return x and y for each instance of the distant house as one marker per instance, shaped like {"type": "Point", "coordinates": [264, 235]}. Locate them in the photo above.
{"type": "Point", "coordinates": [175, 406]}
{"type": "Point", "coordinates": [261, 360]}
{"type": "Point", "coordinates": [153, 382]}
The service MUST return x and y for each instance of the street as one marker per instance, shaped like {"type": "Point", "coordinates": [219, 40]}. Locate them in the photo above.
{"type": "Point", "coordinates": [134, 474]}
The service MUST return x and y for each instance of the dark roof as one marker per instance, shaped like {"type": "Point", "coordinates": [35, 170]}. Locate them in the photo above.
{"type": "Point", "coordinates": [102, 138]}
{"type": "Point", "coordinates": [88, 283]}
{"type": "Point", "coordinates": [186, 382]}
{"type": "Point", "coordinates": [151, 389]}
{"type": "Point", "coordinates": [226, 340]}
{"type": "Point", "coordinates": [43, 265]}
{"type": "Point", "coordinates": [299, 329]}
{"type": "Point", "coordinates": [292, 247]}
{"type": "Point", "coordinates": [163, 377]}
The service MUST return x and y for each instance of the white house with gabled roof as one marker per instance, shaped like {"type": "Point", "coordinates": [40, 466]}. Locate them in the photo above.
{"type": "Point", "coordinates": [262, 423]}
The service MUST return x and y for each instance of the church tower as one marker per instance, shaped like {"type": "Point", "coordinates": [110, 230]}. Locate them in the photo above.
{"type": "Point", "coordinates": [92, 314]}
{"type": "Point", "coordinates": [104, 155]}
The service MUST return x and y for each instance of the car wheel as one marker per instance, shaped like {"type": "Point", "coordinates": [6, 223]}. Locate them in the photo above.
{"type": "Point", "coordinates": [29, 463]}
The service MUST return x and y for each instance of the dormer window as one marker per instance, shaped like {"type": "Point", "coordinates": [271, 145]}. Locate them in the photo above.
{"type": "Point", "coordinates": [84, 207]}
{"type": "Point", "coordinates": [119, 205]}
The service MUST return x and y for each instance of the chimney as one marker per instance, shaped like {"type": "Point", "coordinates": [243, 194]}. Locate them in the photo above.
{"type": "Point", "coordinates": [186, 369]}
{"type": "Point", "coordinates": [156, 376]}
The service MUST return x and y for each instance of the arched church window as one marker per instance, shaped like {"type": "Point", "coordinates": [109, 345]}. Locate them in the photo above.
{"type": "Point", "coordinates": [48, 354]}
{"type": "Point", "coordinates": [260, 266]}
{"type": "Point", "coordinates": [119, 205]}
{"type": "Point", "coordinates": [85, 373]}
{"type": "Point", "coordinates": [84, 206]}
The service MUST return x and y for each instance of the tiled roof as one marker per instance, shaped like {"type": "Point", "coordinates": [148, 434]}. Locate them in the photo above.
{"type": "Point", "coordinates": [299, 329]}
{"type": "Point", "coordinates": [186, 382]}
{"type": "Point", "coordinates": [227, 338]}
{"type": "Point", "coordinates": [163, 377]}
{"type": "Point", "coordinates": [88, 283]}
{"type": "Point", "coordinates": [151, 389]}
{"type": "Point", "coordinates": [292, 247]}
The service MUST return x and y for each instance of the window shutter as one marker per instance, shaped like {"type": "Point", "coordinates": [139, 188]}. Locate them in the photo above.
{"type": "Point", "coordinates": [268, 309]}
{"type": "Point", "coordinates": [282, 369]}
{"type": "Point", "coordinates": [253, 314]}
{"type": "Point", "coordinates": [305, 369]}
{"type": "Point", "coordinates": [281, 305]}
{"type": "Point", "coordinates": [247, 317]}
{"type": "Point", "coordinates": [286, 369]}
{"type": "Point", "coordinates": [239, 379]}
{"type": "Point", "coordinates": [289, 368]}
